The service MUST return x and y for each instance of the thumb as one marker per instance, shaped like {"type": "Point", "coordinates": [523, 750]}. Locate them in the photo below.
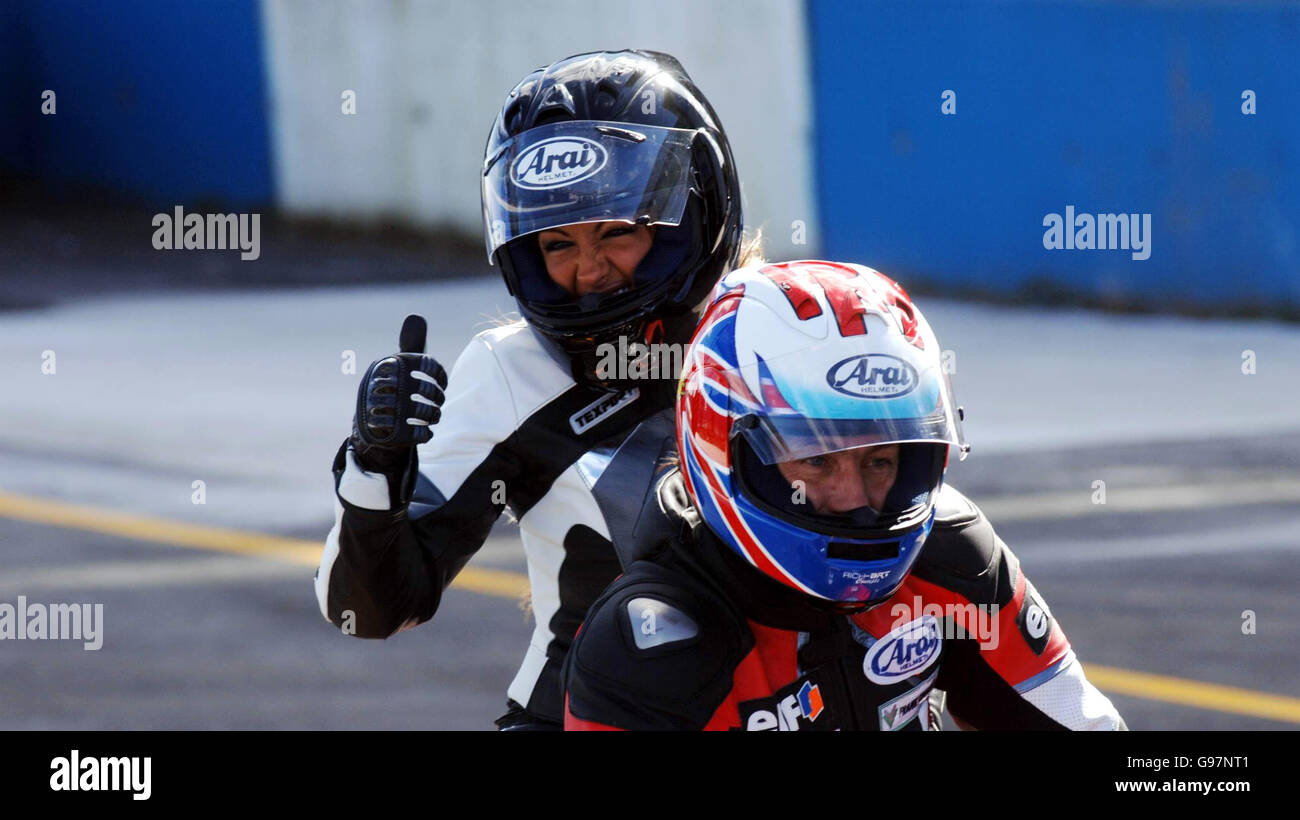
{"type": "Point", "coordinates": [413, 333]}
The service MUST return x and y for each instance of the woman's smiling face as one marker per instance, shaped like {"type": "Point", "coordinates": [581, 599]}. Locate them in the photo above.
{"type": "Point", "coordinates": [594, 257]}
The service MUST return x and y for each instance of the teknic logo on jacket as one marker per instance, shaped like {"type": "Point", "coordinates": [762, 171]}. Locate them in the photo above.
{"type": "Point", "coordinates": [904, 652]}
{"type": "Point", "coordinates": [596, 412]}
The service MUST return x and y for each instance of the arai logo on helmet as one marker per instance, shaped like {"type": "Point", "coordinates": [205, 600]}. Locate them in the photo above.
{"type": "Point", "coordinates": [904, 652]}
{"type": "Point", "coordinates": [872, 376]}
{"type": "Point", "coordinates": [557, 162]}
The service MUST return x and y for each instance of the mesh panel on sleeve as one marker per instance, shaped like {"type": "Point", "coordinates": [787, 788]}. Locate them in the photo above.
{"type": "Point", "coordinates": [1070, 700]}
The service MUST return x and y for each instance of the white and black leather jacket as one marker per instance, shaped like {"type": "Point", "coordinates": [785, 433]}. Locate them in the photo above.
{"type": "Point", "coordinates": [517, 431]}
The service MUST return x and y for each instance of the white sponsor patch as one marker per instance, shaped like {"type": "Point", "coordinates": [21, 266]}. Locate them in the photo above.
{"type": "Point", "coordinates": [896, 713]}
{"type": "Point", "coordinates": [905, 651]}
{"type": "Point", "coordinates": [655, 623]}
{"type": "Point", "coordinates": [557, 162]}
{"type": "Point", "coordinates": [600, 409]}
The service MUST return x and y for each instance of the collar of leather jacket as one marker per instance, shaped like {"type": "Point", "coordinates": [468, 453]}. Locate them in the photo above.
{"type": "Point", "coordinates": [755, 596]}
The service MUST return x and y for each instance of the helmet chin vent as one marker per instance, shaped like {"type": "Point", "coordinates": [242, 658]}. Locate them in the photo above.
{"type": "Point", "coordinates": [879, 551]}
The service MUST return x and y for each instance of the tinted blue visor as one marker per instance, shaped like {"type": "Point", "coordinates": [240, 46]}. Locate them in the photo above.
{"type": "Point", "coordinates": [585, 171]}
{"type": "Point", "coordinates": [777, 439]}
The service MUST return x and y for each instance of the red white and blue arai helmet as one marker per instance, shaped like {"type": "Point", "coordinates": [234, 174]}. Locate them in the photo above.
{"type": "Point", "coordinates": [800, 359]}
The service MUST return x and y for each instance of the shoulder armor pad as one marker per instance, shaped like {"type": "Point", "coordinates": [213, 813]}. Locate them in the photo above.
{"type": "Point", "coordinates": [502, 334]}
{"type": "Point", "coordinates": [657, 652]}
{"type": "Point", "coordinates": [952, 509]}
{"type": "Point", "coordinates": [964, 554]}
{"type": "Point", "coordinates": [521, 342]}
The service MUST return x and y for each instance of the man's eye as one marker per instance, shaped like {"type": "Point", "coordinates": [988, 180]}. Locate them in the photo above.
{"type": "Point", "coordinates": [881, 464]}
{"type": "Point", "coordinates": [814, 461]}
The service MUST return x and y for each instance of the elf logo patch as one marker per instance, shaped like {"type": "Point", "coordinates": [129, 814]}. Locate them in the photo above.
{"type": "Point", "coordinates": [905, 651]}
{"type": "Point", "coordinates": [600, 409]}
{"type": "Point", "coordinates": [810, 700]}
{"type": "Point", "coordinates": [557, 162]}
{"type": "Point", "coordinates": [794, 708]}
{"type": "Point", "coordinates": [1034, 620]}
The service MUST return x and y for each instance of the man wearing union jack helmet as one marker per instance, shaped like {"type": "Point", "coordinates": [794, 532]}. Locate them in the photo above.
{"type": "Point", "coordinates": [803, 565]}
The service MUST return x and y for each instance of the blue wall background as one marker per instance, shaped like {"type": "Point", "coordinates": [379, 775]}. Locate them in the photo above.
{"type": "Point", "coordinates": [1110, 107]}
{"type": "Point", "coordinates": [15, 85]}
{"type": "Point", "coordinates": [165, 100]}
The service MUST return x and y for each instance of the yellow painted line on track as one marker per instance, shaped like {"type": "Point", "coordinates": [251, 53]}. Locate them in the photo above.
{"type": "Point", "coordinates": [506, 584]}
{"type": "Point", "coordinates": [243, 542]}
{"type": "Point", "coordinates": [1212, 696]}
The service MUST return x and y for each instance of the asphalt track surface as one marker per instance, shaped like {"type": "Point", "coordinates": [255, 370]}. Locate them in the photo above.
{"type": "Point", "coordinates": [210, 620]}
{"type": "Point", "coordinates": [1150, 587]}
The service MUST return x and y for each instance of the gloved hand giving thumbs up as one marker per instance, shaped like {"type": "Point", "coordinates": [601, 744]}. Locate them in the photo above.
{"type": "Point", "coordinates": [398, 402]}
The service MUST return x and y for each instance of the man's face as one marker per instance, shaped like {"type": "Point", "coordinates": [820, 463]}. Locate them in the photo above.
{"type": "Point", "coordinates": [837, 483]}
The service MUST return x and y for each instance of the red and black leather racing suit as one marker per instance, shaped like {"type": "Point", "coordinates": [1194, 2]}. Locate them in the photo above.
{"type": "Point", "coordinates": [692, 637]}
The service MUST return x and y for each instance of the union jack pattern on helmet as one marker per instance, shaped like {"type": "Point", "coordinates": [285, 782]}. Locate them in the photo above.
{"type": "Point", "coordinates": [801, 359]}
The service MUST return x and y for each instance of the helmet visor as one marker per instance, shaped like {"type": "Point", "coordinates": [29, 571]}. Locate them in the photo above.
{"type": "Point", "coordinates": [817, 400]}
{"type": "Point", "coordinates": [585, 171]}
{"type": "Point", "coordinates": [776, 439]}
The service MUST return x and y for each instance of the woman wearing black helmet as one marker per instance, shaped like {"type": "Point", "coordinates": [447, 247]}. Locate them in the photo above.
{"type": "Point", "coordinates": [611, 205]}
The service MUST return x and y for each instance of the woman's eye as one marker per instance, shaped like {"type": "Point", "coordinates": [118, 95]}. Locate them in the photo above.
{"type": "Point", "coordinates": [557, 245]}
{"type": "Point", "coordinates": [614, 232]}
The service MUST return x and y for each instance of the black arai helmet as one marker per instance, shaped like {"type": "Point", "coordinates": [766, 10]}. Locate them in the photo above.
{"type": "Point", "coordinates": [620, 135]}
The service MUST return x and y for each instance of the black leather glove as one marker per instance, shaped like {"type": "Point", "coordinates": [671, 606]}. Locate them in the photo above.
{"type": "Point", "coordinates": [389, 421]}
